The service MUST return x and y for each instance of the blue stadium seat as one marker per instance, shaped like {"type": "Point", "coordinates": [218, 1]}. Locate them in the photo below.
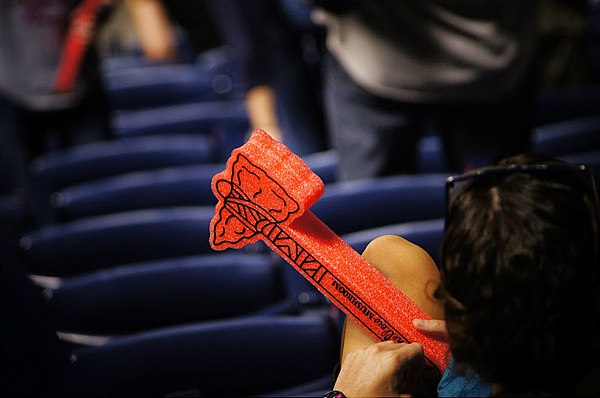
{"type": "Point", "coordinates": [427, 234]}
{"type": "Point", "coordinates": [141, 296]}
{"type": "Point", "coordinates": [566, 103]}
{"type": "Point", "coordinates": [167, 84]}
{"type": "Point", "coordinates": [228, 116]}
{"type": "Point", "coordinates": [226, 121]}
{"type": "Point", "coordinates": [97, 242]}
{"type": "Point", "coordinates": [176, 186]}
{"type": "Point", "coordinates": [570, 136]}
{"type": "Point", "coordinates": [237, 357]}
{"type": "Point", "coordinates": [132, 82]}
{"type": "Point", "coordinates": [156, 85]}
{"type": "Point", "coordinates": [108, 158]}
{"type": "Point", "coordinates": [356, 205]}
{"type": "Point", "coordinates": [169, 187]}
{"type": "Point", "coordinates": [324, 164]}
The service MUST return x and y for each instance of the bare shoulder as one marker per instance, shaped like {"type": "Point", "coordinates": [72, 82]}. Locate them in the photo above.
{"type": "Point", "coordinates": [399, 259]}
{"type": "Point", "coordinates": [407, 266]}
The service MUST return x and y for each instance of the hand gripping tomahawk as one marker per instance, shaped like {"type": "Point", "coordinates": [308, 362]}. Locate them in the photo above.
{"type": "Point", "coordinates": [264, 193]}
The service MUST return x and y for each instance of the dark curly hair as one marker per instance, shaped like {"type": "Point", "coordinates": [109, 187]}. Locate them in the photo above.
{"type": "Point", "coordinates": [520, 280]}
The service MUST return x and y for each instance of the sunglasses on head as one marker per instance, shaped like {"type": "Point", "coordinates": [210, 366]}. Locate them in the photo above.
{"type": "Point", "coordinates": [578, 176]}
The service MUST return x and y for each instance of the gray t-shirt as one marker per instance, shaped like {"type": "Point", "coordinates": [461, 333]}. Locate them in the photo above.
{"type": "Point", "coordinates": [434, 50]}
{"type": "Point", "coordinates": [31, 37]}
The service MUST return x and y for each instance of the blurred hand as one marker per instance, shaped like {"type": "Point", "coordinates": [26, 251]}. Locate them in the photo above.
{"type": "Point", "coordinates": [262, 111]}
{"type": "Point", "coordinates": [382, 370]}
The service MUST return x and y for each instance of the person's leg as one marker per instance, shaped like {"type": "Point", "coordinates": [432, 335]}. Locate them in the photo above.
{"type": "Point", "coordinates": [407, 266]}
{"type": "Point", "coordinates": [299, 112]}
{"type": "Point", "coordinates": [374, 136]}
{"type": "Point", "coordinates": [298, 81]}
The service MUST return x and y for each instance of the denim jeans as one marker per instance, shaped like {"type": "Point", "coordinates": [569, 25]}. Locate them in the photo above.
{"type": "Point", "coordinates": [378, 136]}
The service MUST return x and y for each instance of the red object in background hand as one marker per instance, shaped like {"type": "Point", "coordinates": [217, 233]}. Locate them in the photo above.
{"type": "Point", "coordinates": [78, 37]}
{"type": "Point", "coordinates": [265, 193]}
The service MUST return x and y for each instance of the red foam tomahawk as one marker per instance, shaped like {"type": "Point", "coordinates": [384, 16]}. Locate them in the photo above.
{"type": "Point", "coordinates": [76, 42]}
{"type": "Point", "coordinates": [265, 193]}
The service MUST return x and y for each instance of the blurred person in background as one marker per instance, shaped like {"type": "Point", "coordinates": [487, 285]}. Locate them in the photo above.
{"type": "Point", "coordinates": [37, 117]}
{"type": "Point", "coordinates": [37, 114]}
{"type": "Point", "coordinates": [395, 68]}
{"type": "Point", "coordinates": [277, 50]}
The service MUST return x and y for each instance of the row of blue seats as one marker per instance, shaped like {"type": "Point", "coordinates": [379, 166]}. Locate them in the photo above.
{"type": "Point", "coordinates": [169, 149]}
{"type": "Point", "coordinates": [110, 273]}
{"type": "Point", "coordinates": [133, 83]}
{"type": "Point", "coordinates": [182, 289]}
{"type": "Point", "coordinates": [190, 186]}
{"type": "Point", "coordinates": [94, 179]}
{"type": "Point", "coordinates": [388, 205]}
{"type": "Point", "coordinates": [371, 203]}
{"type": "Point", "coordinates": [246, 356]}
{"type": "Point", "coordinates": [134, 235]}
{"type": "Point", "coordinates": [144, 246]}
{"type": "Point", "coordinates": [170, 319]}
{"type": "Point", "coordinates": [159, 318]}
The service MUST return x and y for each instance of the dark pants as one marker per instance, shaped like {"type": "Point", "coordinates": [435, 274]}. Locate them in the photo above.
{"type": "Point", "coordinates": [376, 136]}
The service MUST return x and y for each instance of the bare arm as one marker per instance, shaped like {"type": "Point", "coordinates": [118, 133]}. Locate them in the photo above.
{"type": "Point", "coordinates": [153, 29]}
{"type": "Point", "coordinates": [262, 110]}
{"type": "Point", "coordinates": [390, 369]}
{"type": "Point", "coordinates": [408, 267]}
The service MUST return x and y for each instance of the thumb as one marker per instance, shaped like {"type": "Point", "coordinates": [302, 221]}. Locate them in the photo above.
{"type": "Point", "coordinates": [431, 327]}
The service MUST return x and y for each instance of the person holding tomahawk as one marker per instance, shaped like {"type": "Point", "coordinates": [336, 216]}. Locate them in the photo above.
{"type": "Point", "coordinates": [516, 294]}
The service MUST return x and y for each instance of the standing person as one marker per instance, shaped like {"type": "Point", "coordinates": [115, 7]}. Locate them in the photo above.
{"type": "Point", "coordinates": [277, 50]}
{"type": "Point", "coordinates": [520, 256]}
{"type": "Point", "coordinates": [36, 117]}
{"type": "Point", "coordinates": [398, 67]}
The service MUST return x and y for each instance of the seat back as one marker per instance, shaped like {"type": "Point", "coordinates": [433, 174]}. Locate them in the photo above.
{"type": "Point", "coordinates": [93, 161]}
{"type": "Point", "coordinates": [168, 187]}
{"type": "Point", "coordinates": [87, 244]}
{"type": "Point", "coordinates": [237, 357]}
{"type": "Point", "coordinates": [427, 234]}
{"type": "Point", "coordinates": [141, 296]}
{"type": "Point", "coordinates": [227, 121]}
{"type": "Point", "coordinates": [565, 137]}
{"type": "Point", "coordinates": [356, 205]}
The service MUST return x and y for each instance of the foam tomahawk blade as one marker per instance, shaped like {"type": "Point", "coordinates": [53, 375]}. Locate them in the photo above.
{"type": "Point", "coordinates": [265, 193]}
